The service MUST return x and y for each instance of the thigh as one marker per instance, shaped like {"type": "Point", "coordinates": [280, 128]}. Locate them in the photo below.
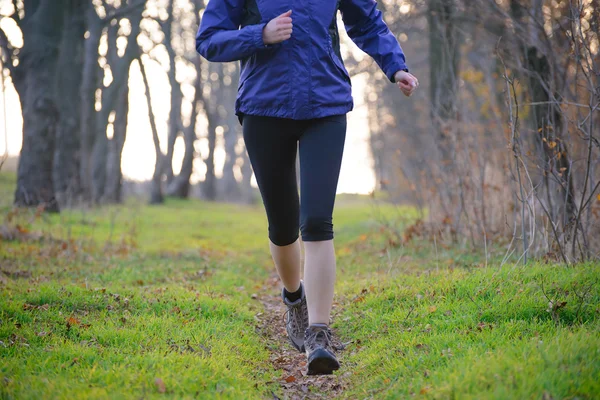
{"type": "Point", "coordinates": [321, 150]}
{"type": "Point", "coordinates": [272, 147]}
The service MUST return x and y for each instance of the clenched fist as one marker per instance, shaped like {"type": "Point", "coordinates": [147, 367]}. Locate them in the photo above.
{"type": "Point", "coordinates": [278, 29]}
{"type": "Point", "coordinates": [407, 82]}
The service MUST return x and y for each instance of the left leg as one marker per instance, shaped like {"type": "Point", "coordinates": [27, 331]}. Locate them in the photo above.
{"type": "Point", "coordinates": [321, 149]}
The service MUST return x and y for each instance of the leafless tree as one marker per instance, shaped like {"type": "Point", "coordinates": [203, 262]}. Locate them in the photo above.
{"type": "Point", "coordinates": [41, 23]}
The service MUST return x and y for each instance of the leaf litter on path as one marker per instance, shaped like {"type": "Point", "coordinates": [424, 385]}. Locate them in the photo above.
{"type": "Point", "coordinates": [289, 362]}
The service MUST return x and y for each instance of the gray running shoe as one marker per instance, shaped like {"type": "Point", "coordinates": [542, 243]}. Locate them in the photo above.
{"type": "Point", "coordinates": [319, 350]}
{"type": "Point", "coordinates": [296, 319]}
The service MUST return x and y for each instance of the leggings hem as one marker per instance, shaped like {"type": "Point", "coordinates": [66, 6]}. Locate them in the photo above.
{"type": "Point", "coordinates": [317, 238]}
{"type": "Point", "coordinates": [284, 242]}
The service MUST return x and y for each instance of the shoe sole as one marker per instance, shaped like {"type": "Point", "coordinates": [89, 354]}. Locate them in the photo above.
{"type": "Point", "coordinates": [322, 363]}
{"type": "Point", "coordinates": [301, 349]}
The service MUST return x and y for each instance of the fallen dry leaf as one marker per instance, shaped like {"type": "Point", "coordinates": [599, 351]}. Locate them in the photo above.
{"type": "Point", "coordinates": [72, 321]}
{"type": "Point", "coordinates": [359, 299]}
{"type": "Point", "coordinates": [43, 307]}
{"type": "Point", "coordinates": [290, 379]}
{"type": "Point", "coordinates": [160, 385]}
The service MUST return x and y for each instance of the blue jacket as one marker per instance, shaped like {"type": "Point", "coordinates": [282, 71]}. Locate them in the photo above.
{"type": "Point", "coordinates": [303, 77]}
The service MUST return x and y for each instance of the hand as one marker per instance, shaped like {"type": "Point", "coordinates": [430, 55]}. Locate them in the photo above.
{"type": "Point", "coordinates": [278, 29]}
{"type": "Point", "coordinates": [407, 82]}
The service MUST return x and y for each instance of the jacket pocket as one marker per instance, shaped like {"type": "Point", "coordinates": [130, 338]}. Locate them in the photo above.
{"type": "Point", "coordinates": [339, 64]}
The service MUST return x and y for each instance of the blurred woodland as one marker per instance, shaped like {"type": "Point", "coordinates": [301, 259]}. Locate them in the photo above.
{"type": "Point", "coordinates": [502, 144]}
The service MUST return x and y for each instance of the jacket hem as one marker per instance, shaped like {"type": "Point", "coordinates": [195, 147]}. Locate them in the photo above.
{"type": "Point", "coordinates": [281, 112]}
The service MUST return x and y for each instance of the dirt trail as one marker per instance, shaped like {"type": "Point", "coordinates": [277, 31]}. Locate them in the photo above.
{"type": "Point", "coordinates": [287, 361]}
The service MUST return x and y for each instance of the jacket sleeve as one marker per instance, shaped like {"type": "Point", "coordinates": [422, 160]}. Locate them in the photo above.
{"type": "Point", "coordinates": [220, 38]}
{"type": "Point", "coordinates": [365, 26]}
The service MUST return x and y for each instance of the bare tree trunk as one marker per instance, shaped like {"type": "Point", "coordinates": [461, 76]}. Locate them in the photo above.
{"type": "Point", "coordinates": [91, 78]}
{"type": "Point", "coordinates": [246, 185]}
{"type": "Point", "coordinates": [69, 80]}
{"type": "Point", "coordinates": [444, 54]}
{"type": "Point", "coordinates": [7, 55]}
{"type": "Point", "coordinates": [109, 97]}
{"type": "Point", "coordinates": [41, 35]}
{"type": "Point", "coordinates": [209, 187]}
{"type": "Point", "coordinates": [120, 70]}
{"type": "Point", "coordinates": [180, 186]}
{"type": "Point", "coordinates": [114, 175]}
{"type": "Point", "coordinates": [156, 194]}
{"type": "Point", "coordinates": [176, 95]}
{"type": "Point", "coordinates": [546, 118]}
{"type": "Point", "coordinates": [230, 188]}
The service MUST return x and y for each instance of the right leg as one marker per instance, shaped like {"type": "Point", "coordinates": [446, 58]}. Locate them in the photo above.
{"type": "Point", "coordinates": [321, 149]}
{"type": "Point", "coordinates": [272, 146]}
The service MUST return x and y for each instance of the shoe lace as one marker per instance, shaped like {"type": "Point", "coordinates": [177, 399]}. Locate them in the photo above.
{"type": "Point", "coordinates": [322, 337]}
{"type": "Point", "coordinates": [298, 315]}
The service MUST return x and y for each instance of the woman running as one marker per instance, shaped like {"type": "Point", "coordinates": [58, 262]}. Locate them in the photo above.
{"type": "Point", "coordinates": [293, 97]}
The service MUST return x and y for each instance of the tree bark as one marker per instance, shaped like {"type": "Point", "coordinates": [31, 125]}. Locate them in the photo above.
{"type": "Point", "coordinates": [156, 194]}
{"type": "Point", "coordinates": [176, 94]}
{"type": "Point", "coordinates": [230, 188]}
{"type": "Point", "coordinates": [120, 70]}
{"type": "Point", "coordinates": [180, 186]}
{"type": "Point", "coordinates": [118, 67]}
{"type": "Point", "coordinates": [38, 61]}
{"type": "Point", "coordinates": [114, 174]}
{"type": "Point", "coordinates": [444, 54]}
{"type": "Point", "coordinates": [246, 185]}
{"type": "Point", "coordinates": [546, 117]}
{"type": "Point", "coordinates": [209, 187]}
{"type": "Point", "coordinates": [69, 80]}
{"type": "Point", "coordinates": [91, 80]}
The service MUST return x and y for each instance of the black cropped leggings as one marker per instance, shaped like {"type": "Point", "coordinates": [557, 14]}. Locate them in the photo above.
{"type": "Point", "coordinates": [272, 144]}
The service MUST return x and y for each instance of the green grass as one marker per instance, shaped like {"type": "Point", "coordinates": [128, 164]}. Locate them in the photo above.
{"type": "Point", "coordinates": [8, 182]}
{"type": "Point", "coordinates": [142, 302]}
{"type": "Point", "coordinates": [476, 334]}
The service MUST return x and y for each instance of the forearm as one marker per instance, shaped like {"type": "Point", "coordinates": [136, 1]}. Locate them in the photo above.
{"type": "Point", "coordinates": [365, 26]}
{"type": "Point", "coordinates": [222, 45]}
{"type": "Point", "coordinates": [220, 38]}
{"type": "Point", "coordinates": [383, 47]}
